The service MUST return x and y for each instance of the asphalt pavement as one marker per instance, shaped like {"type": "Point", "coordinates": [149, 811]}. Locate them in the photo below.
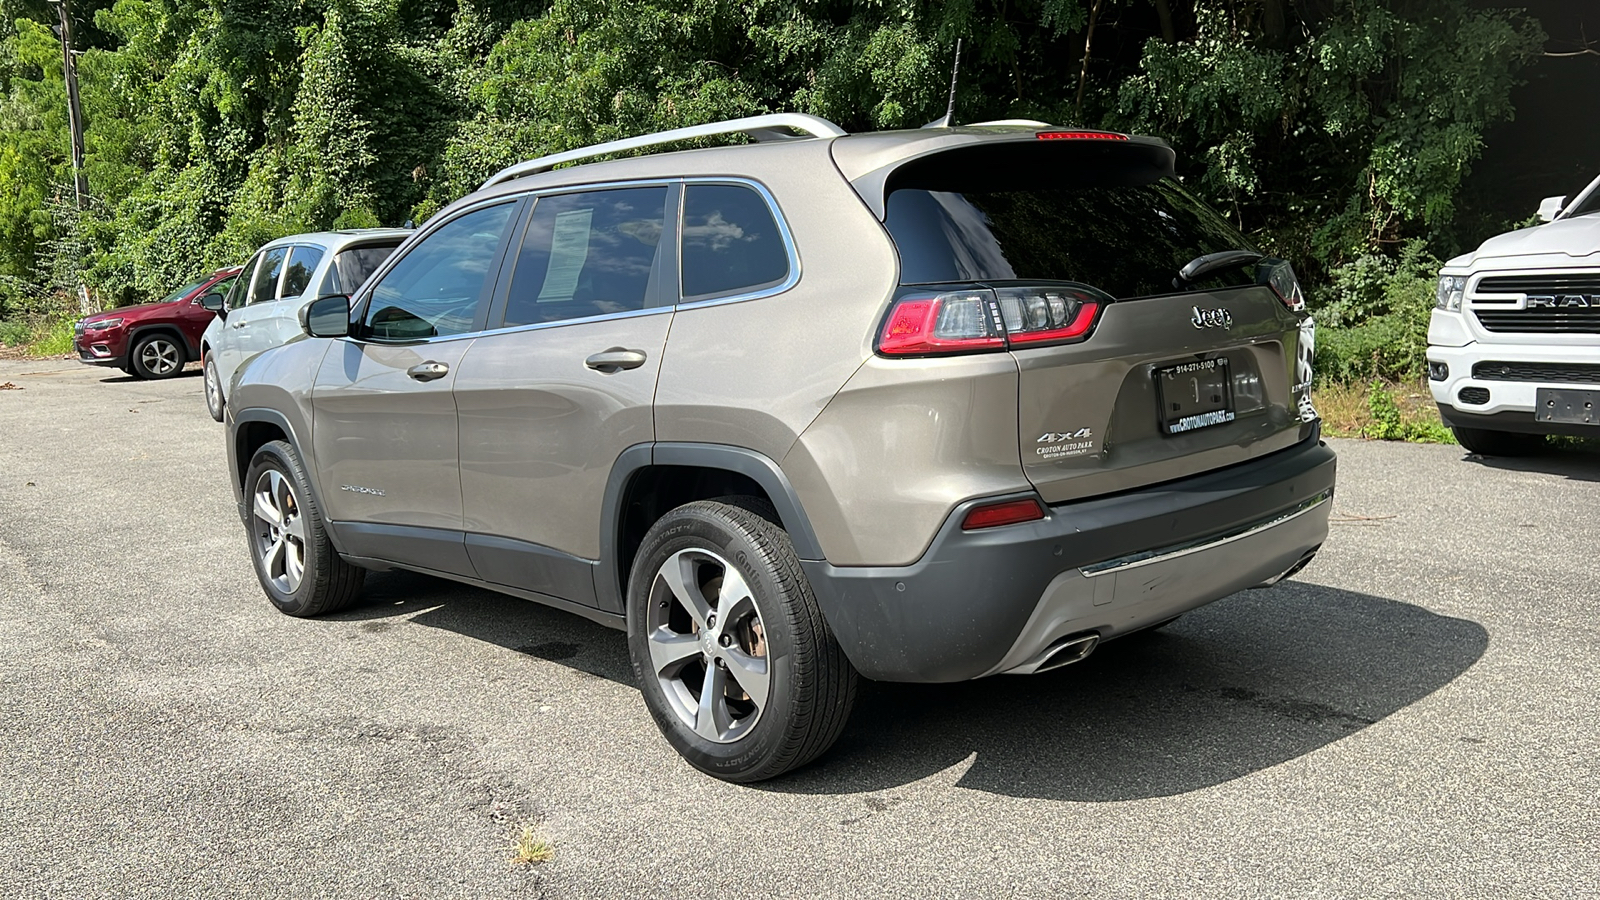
{"type": "Point", "coordinates": [1415, 715]}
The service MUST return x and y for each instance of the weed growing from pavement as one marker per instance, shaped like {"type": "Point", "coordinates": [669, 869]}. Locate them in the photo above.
{"type": "Point", "coordinates": [530, 849]}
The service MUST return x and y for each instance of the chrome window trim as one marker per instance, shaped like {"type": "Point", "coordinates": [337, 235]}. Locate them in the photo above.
{"type": "Point", "coordinates": [783, 232]}
{"type": "Point", "coordinates": [536, 326]}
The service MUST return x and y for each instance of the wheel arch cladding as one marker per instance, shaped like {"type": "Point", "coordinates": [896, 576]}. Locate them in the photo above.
{"type": "Point", "coordinates": [649, 480]}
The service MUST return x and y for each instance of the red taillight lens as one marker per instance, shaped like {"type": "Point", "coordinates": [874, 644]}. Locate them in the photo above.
{"type": "Point", "coordinates": [956, 322]}
{"type": "Point", "coordinates": [1279, 275]}
{"type": "Point", "coordinates": [1080, 136]}
{"type": "Point", "coordinates": [1007, 512]}
{"type": "Point", "coordinates": [968, 321]}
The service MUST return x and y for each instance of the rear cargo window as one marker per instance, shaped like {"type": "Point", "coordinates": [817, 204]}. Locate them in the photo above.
{"type": "Point", "coordinates": [1128, 240]}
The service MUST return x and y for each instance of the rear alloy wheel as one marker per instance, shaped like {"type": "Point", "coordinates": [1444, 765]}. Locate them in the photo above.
{"type": "Point", "coordinates": [1498, 443]}
{"type": "Point", "coordinates": [214, 401]}
{"type": "Point", "coordinates": [733, 657]}
{"type": "Point", "coordinates": [157, 356]}
{"type": "Point", "coordinates": [294, 560]}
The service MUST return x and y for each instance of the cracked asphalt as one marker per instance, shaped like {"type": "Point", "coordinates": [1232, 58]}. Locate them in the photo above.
{"type": "Point", "coordinates": [1415, 715]}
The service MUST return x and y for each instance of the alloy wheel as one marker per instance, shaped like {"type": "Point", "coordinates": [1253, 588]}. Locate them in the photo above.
{"type": "Point", "coordinates": [279, 531]}
{"type": "Point", "coordinates": [708, 646]}
{"type": "Point", "coordinates": [159, 356]}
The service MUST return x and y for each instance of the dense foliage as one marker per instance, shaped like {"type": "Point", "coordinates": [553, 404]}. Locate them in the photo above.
{"type": "Point", "coordinates": [1333, 131]}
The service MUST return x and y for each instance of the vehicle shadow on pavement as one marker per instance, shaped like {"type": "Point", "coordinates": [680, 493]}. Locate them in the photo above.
{"type": "Point", "coordinates": [1247, 683]}
{"type": "Point", "coordinates": [511, 622]}
{"type": "Point", "coordinates": [1574, 463]}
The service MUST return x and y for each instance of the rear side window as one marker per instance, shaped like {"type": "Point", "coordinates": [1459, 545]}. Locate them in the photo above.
{"type": "Point", "coordinates": [731, 242]}
{"type": "Point", "coordinates": [587, 254]}
{"type": "Point", "coordinates": [302, 264]}
{"type": "Point", "coordinates": [1129, 240]}
{"type": "Point", "coordinates": [263, 288]}
{"type": "Point", "coordinates": [437, 288]}
{"type": "Point", "coordinates": [353, 266]}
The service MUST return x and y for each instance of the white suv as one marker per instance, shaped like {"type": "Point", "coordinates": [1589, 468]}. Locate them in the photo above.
{"type": "Point", "coordinates": [262, 310]}
{"type": "Point", "coordinates": [1514, 343]}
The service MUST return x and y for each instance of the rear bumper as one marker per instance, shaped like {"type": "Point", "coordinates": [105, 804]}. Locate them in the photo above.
{"type": "Point", "coordinates": [985, 602]}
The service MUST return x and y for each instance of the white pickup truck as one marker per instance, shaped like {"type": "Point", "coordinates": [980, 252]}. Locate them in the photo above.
{"type": "Point", "coordinates": [1514, 342]}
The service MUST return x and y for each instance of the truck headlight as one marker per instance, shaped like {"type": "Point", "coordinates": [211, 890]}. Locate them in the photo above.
{"type": "Point", "coordinates": [1451, 289]}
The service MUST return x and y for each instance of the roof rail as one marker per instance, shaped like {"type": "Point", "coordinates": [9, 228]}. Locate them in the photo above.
{"type": "Point", "coordinates": [762, 128]}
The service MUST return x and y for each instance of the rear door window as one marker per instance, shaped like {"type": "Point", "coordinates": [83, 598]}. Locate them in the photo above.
{"type": "Point", "coordinates": [437, 288]}
{"type": "Point", "coordinates": [731, 242]}
{"type": "Point", "coordinates": [264, 288]}
{"type": "Point", "coordinates": [302, 265]}
{"type": "Point", "coordinates": [1129, 240]}
{"type": "Point", "coordinates": [588, 254]}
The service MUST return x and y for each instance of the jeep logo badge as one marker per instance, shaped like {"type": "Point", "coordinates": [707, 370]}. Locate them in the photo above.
{"type": "Point", "coordinates": [1211, 318]}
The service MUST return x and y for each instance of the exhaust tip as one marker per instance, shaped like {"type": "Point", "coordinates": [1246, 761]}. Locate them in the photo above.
{"type": "Point", "coordinates": [1070, 649]}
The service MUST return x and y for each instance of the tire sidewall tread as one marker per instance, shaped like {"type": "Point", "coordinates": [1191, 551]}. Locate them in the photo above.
{"type": "Point", "coordinates": [329, 583]}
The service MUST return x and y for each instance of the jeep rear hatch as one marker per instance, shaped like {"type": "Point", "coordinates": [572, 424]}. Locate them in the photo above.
{"type": "Point", "coordinates": [1152, 342]}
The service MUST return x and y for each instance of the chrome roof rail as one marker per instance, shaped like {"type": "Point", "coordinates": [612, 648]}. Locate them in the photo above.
{"type": "Point", "coordinates": [1030, 123]}
{"type": "Point", "coordinates": [762, 128]}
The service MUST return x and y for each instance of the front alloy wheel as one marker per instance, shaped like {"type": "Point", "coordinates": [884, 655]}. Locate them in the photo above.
{"type": "Point", "coordinates": [214, 401]}
{"type": "Point", "coordinates": [294, 560]}
{"type": "Point", "coordinates": [279, 531]}
{"type": "Point", "coordinates": [157, 356]}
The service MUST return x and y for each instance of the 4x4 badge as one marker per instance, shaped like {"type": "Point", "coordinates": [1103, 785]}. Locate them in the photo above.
{"type": "Point", "coordinates": [1211, 318]}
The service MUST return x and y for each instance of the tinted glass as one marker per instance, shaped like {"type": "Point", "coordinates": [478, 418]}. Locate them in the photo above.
{"type": "Point", "coordinates": [437, 287]}
{"type": "Point", "coordinates": [180, 293]}
{"type": "Point", "coordinates": [223, 286]}
{"type": "Point", "coordinates": [1128, 240]}
{"type": "Point", "coordinates": [353, 266]}
{"type": "Point", "coordinates": [234, 298]}
{"type": "Point", "coordinates": [587, 254]}
{"type": "Point", "coordinates": [266, 280]}
{"type": "Point", "coordinates": [731, 244]}
{"type": "Point", "coordinates": [302, 264]}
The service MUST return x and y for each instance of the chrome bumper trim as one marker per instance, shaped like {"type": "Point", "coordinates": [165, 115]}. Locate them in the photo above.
{"type": "Point", "coordinates": [1162, 554]}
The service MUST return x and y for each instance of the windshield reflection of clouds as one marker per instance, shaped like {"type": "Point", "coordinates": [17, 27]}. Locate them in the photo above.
{"type": "Point", "coordinates": [977, 254]}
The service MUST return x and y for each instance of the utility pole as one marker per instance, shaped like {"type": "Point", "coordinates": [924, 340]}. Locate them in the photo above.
{"type": "Point", "coordinates": [80, 182]}
{"type": "Point", "coordinates": [69, 69]}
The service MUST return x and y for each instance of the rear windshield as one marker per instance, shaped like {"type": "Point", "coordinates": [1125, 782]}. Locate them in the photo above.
{"type": "Point", "coordinates": [1129, 240]}
{"type": "Point", "coordinates": [354, 266]}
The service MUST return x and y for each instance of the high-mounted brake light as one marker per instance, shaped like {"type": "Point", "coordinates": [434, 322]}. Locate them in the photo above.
{"type": "Point", "coordinates": [1006, 512]}
{"type": "Point", "coordinates": [1080, 136]}
{"type": "Point", "coordinates": [989, 319]}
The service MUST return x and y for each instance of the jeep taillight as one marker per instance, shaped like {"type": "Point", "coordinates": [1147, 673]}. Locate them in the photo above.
{"type": "Point", "coordinates": [1279, 275]}
{"type": "Point", "coordinates": [988, 319]}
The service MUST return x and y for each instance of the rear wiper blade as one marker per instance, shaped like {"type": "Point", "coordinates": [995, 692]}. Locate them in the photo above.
{"type": "Point", "coordinates": [1201, 266]}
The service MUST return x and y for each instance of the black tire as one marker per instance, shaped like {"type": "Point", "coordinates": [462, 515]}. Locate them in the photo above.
{"type": "Point", "coordinates": [1498, 443]}
{"type": "Point", "coordinates": [158, 355]}
{"type": "Point", "coordinates": [215, 404]}
{"type": "Point", "coordinates": [810, 686]}
{"type": "Point", "coordinates": [326, 583]}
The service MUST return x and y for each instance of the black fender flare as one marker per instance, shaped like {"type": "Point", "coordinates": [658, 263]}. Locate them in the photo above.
{"type": "Point", "coordinates": [756, 466]}
{"type": "Point", "coordinates": [239, 467]}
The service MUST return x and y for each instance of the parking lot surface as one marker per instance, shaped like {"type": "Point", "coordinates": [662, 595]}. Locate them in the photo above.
{"type": "Point", "coordinates": [1415, 715]}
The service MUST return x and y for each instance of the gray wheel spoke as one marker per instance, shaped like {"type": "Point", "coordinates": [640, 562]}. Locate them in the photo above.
{"type": "Point", "coordinates": [734, 595]}
{"type": "Point", "coordinates": [751, 674]}
{"type": "Point", "coordinates": [266, 507]}
{"type": "Point", "coordinates": [669, 650]}
{"type": "Point", "coordinates": [678, 573]}
{"type": "Point", "coordinates": [294, 563]}
{"type": "Point", "coordinates": [712, 718]}
{"type": "Point", "coordinates": [272, 557]}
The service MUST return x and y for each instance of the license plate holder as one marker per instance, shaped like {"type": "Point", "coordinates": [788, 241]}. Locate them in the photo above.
{"type": "Point", "coordinates": [1567, 407]}
{"type": "Point", "coordinates": [1195, 395]}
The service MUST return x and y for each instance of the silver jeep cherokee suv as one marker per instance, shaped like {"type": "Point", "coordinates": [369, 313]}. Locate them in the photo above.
{"type": "Point", "coordinates": [922, 406]}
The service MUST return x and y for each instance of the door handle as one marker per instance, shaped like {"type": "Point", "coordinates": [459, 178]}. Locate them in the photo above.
{"type": "Point", "coordinates": [428, 371]}
{"type": "Point", "coordinates": [615, 360]}
{"type": "Point", "coordinates": [241, 324]}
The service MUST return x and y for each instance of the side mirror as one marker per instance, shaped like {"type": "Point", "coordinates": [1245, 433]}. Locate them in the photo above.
{"type": "Point", "coordinates": [212, 301]}
{"type": "Point", "coordinates": [1550, 207]}
{"type": "Point", "coordinates": [326, 317]}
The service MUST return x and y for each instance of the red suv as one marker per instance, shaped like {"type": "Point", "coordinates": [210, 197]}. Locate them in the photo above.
{"type": "Point", "coordinates": [153, 340]}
